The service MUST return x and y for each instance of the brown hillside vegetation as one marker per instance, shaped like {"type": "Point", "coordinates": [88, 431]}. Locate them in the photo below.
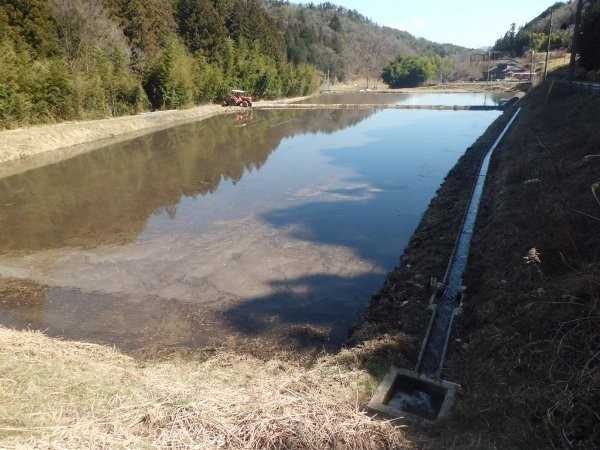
{"type": "Point", "coordinates": [527, 348]}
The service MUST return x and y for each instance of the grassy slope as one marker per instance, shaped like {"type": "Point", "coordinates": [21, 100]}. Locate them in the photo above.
{"type": "Point", "coordinates": [529, 349]}
{"type": "Point", "coordinates": [57, 394]}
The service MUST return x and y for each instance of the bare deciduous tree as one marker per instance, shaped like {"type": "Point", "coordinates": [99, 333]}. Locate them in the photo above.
{"type": "Point", "coordinates": [84, 25]}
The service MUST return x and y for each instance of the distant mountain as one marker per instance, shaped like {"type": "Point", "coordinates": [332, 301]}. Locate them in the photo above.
{"type": "Point", "coordinates": [346, 43]}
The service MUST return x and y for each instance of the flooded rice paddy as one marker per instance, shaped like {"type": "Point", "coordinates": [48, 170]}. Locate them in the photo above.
{"type": "Point", "coordinates": [276, 224]}
{"type": "Point", "coordinates": [419, 98]}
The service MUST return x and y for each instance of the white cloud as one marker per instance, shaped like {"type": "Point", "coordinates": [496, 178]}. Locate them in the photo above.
{"type": "Point", "coordinates": [418, 23]}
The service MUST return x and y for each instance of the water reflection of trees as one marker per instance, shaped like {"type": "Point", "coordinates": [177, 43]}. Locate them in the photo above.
{"type": "Point", "coordinates": [106, 196]}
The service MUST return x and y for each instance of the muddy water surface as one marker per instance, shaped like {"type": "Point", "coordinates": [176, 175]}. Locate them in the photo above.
{"type": "Point", "coordinates": [276, 224]}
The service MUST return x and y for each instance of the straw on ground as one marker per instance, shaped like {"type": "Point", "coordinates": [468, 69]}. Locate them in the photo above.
{"type": "Point", "coordinates": [57, 394]}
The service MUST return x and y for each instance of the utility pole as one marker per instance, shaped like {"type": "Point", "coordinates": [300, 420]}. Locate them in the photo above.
{"type": "Point", "coordinates": [575, 44]}
{"type": "Point", "coordinates": [549, 40]}
{"type": "Point", "coordinates": [531, 68]}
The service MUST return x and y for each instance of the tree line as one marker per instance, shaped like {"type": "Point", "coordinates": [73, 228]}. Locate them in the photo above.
{"type": "Point", "coordinates": [82, 59]}
{"type": "Point", "coordinates": [413, 71]}
{"type": "Point", "coordinates": [535, 34]}
{"type": "Point", "coordinates": [346, 44]}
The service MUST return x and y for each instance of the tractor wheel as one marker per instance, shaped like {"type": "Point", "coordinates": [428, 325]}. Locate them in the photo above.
{"type": "Point", "coordinates": [244, 104]}
{"type": "Point", "coordinates": [232, 101]}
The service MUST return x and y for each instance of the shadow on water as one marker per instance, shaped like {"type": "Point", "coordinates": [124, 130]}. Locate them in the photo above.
{"type": "Point", "coordinates": [305, 312]}
{"type": "Point", "coordinates": [109, 195]}
{"type": "Point", "coordinates": [308, 311]}
{"type": "Point", "coordinates": [370, 228]}
{"type": "Point", "coordinates": [374, 220]}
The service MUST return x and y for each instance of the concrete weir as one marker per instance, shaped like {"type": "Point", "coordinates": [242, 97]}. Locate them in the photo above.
{"type": "Point", "coordinates": [377, 106]}
{"type": "Point", "coordinates": [420, 393]}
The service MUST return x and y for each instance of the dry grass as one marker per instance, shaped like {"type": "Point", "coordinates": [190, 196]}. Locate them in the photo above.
{"type": "Point", "coordinates": [57, 394]}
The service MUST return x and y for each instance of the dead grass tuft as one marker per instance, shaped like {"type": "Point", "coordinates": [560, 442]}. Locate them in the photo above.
{"type": "Point", "coordinates": [58, 394]}
{"type": "Point", "coordinates": [309, 331]}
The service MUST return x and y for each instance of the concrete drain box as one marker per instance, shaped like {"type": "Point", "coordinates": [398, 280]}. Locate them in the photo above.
{"type": "Point", "coordinates": [404, 392]}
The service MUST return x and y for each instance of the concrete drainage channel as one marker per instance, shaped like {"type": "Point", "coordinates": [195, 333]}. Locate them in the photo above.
{"type": "Point", "coordinates": [420, 393]}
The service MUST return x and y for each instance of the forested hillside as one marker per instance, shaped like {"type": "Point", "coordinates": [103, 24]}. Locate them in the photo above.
{"type": "Point", "coordinates": [346, 43]}
{"type": "Point", "coordinates": [67, 59]}
{"type": "Point", "coordinates": [74, 59]}
{"type": "Point", "coordinates": [558, 22]}
{"type": "Point", "coordinates": [534, 34]}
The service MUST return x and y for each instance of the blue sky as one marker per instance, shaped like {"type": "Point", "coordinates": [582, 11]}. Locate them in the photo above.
{"type": "Point", "coordinates": [470, 23]}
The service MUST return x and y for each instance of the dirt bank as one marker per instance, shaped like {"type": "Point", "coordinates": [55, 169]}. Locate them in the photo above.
{"type": "Point", "coordinates": [456, 87]}
{"type": "Point", "coordinates": [26, 148]}
{"type": "Point", "coordinates": [527, 348]}
{"type": "Point", "coordinates": [26, 142]}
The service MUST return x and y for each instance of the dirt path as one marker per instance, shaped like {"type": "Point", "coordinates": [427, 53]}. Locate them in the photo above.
{"type": "Point", "coordinates": [26, 142]}
{"type": "Point", "coordinates": [26, 148]}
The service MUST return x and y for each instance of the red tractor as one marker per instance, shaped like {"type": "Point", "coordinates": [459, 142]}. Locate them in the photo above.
{"type": "Point", "coordinates": [238, 98]}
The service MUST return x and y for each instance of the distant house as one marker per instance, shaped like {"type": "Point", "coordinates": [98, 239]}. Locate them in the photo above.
{"type": "Point", "coordinates": [507, 69]}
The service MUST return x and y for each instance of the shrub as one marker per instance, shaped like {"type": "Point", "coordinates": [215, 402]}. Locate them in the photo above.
{"type": "Point", "coordinates": [410, 71]}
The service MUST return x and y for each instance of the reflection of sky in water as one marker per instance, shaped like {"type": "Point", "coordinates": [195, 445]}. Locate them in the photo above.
{"type": "Point", "coordinates": [415, 98]}
{"type": "Point", "coordinates": [322, 205]}
{"type": "Point", "coordinates": [364, 187]}
{"type": "Point", "coordinates": [451, 99]}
